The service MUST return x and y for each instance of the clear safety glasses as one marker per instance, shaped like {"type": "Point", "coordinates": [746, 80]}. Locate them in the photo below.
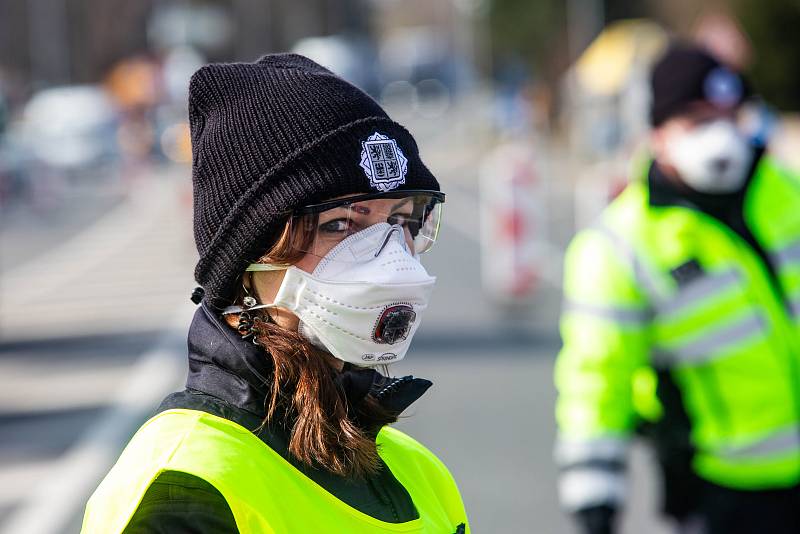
{"type": "Point", "coordinates": [319, 228]}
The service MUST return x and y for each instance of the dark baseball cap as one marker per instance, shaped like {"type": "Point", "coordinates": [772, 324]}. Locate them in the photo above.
{"type": "Point", "coordinates": [687, 74]}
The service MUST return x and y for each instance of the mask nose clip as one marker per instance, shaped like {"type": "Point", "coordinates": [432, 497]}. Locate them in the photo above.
{"type": "Point", "coordinates": [392, 230]}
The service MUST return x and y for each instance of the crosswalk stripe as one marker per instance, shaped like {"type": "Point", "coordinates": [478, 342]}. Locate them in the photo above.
{"type": "Point", "coordinates": [29, 389]}
{"type": "Point", "coordinates": [124, 273]}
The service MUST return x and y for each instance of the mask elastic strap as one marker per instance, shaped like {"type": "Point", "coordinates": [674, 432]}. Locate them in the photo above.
{"type": "Point", "coordinates": [239, 309]}
{"type": "Point", "coordinates": [264, 267]}
{"type": "Point", "coordinates": [255, 267]}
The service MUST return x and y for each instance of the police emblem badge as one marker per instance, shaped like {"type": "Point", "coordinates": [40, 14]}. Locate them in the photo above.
{"type": "Point", "coordinates": [383, 162]}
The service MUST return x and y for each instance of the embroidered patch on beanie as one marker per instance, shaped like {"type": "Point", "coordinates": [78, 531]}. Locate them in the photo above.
{"type": "Point", "coordinates": [383, 162]}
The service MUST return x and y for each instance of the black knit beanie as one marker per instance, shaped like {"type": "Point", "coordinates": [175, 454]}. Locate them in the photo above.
{"type": "Point", "coordinates": [688, 74]}
{"type": "Point", "coordinates": [274, 135]}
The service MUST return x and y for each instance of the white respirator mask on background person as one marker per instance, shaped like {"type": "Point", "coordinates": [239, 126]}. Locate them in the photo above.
{"type": "Point", "coordinates": [712, 158]}
{"type": "Point", "coordinates": [364, 301]}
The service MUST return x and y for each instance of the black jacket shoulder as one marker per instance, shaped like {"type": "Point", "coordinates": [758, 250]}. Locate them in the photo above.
{"type": "Point", "coordinates": [180, 502]}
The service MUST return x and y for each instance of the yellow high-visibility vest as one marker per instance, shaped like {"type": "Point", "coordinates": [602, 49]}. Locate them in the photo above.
{"type": "Point", "coordinates": [266, 494]}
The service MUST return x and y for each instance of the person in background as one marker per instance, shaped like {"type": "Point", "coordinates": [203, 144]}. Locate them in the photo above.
{"type": "Point", "coordinates": [311, 207]}
{"type": "Point", "coordinates": [681, 320]}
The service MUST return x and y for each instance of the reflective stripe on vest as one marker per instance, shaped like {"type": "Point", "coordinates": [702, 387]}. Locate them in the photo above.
{"type": "Point", "coordinates": [583, 488]}
{"type": "Point", "coordinates": [699, 291]}
{"type": "Point", "coordinates": [786, 441]}
{"type": "Point", "coordinates": [592, 470]}
{"type": "Point", "coordinates": [266, 493]}
{"type": "Point", "coordinates": [787, 261]}
{"type": "Point", "coordinates": [629, 317]}
{"type": "Point", "coordinates": [788, 256]}
{"type": "Point", "coordinates": [643, 274]}
{"type": "Point", "coordinates": [714, 343]}
{"type": "Point", "coordinates": [606, 449]}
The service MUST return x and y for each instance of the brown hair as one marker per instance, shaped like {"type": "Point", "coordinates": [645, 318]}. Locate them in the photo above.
{"type": "Point", "coordinates": [304, 391]}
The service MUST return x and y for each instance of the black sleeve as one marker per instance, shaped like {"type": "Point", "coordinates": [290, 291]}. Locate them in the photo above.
{"type": "Point", "coordinates": [179, 502]}
{"type": "Point", "coordinates": [596, 519]}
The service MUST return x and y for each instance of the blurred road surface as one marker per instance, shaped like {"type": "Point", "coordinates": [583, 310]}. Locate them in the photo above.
{"type": "Point", "coordinates": [124, 272]}
{"type": "Point", "coordinates": [113, 303]}
{"type": "Point", "coordinates": [489, 417]}
{"type": "Point", "coordinates": [55, 398]}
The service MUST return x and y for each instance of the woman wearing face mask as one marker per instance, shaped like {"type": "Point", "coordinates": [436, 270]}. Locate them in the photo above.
{"type": "Point", "coordinates": [311, 208]}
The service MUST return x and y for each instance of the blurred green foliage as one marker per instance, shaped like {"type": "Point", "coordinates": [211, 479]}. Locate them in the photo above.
{"type": "Point", "coordinates": [534, 32]}
{"type": "Point", "coordinates": [774, 28]}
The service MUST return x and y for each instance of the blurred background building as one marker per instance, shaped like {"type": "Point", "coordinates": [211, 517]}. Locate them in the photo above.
{"type": "Point", "coordinates": [530, 113]}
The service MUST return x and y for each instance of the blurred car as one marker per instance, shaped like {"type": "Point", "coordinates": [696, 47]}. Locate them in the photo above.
{"type": "Point", "coordinates": [419, 53]}
{"type": "Point", "coordinates": [353, 58]}
{"type": "Point", "coordinates": [68, 128]}
{"type": "Point", "coordinates": [3, 113]}
{"type": "Point", "coordinates": [14, 164]}
{"type": "Point", "coordinates": [63, 137]}
{"type": "Point", "coordinates": [422, 71]}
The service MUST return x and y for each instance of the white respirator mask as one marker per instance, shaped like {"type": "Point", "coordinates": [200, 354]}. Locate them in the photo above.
{"type": "Point", "coordinates": [712, 158]}
{"type": "Point", "coordinates": [364, 301]}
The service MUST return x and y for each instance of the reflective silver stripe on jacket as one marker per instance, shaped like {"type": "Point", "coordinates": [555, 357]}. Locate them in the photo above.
{"type": "Point", "coordinates": [780, 442]}
{"type": "Point", "coordinates": [643, 275]}
{"type": "Point", "coordinates": [569, 452]}
{"type": "Point", "coordinates": [581, 488]}
{"type": "Point", "coordinates": [584, 481]}
{"type": "Point", "coordinates": [787, 258]}
{"type": "Point", "coordinates": [700, 290]}
{"type": "Point", "coordinates": [618, 314]}
{"type": "Point", "coordinates": [710, 344]}
{"type": "Point", "coordinates": [787, 255]}
{"type": "Point", "coordinates": [794, 306]}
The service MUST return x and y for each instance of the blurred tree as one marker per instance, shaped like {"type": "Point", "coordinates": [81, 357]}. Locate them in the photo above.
{"type": "Point", "coordinates": [82, 39]}
{"type": "Point", "coordinates": [772, 25]}
{"type": "Point", "coordinates": [625, 9]}
{"type": "Point", "coordinates": [533, 31]}
{"type": "Point", "coordinates": [537, 31]}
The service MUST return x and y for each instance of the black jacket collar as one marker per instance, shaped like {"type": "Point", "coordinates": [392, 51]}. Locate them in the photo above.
{"type": "Point", "coordinates": [238, 372]}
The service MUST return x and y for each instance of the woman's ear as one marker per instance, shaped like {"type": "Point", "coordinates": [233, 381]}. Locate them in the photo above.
{"type": "Point", "coordinates": [264, 285]}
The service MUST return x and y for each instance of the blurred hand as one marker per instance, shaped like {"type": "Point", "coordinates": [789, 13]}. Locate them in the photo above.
{"type": "Point", "coordinates": [596, 520]}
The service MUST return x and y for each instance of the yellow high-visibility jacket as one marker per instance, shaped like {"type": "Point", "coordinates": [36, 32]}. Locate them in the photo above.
{"type": "Point", "coordinates": [672, 289]}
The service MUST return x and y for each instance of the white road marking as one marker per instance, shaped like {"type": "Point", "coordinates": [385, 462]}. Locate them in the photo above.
{"type": "Point", "coordinates": [118, 275]}
{"type": "Point", "coordinates": [21, 475]}
{"type": "Point", "coordinates": [106, 238]}
{"type": "Point", "coordinates": [28, 387]}
{"type": "Point", "coordinates": [69, 482]}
